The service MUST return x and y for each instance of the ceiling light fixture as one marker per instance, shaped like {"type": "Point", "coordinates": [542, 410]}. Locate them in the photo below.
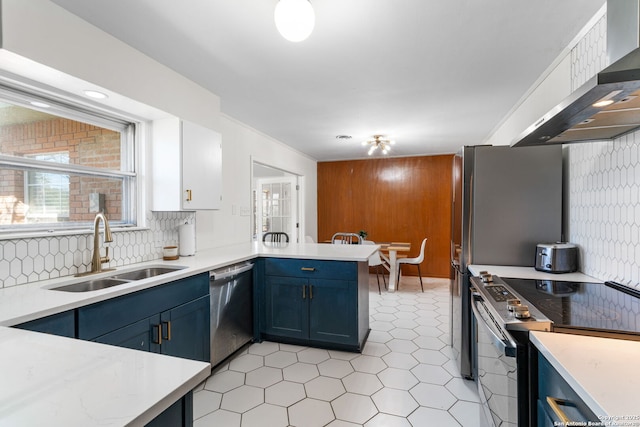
{"type": "Point", "coordinates": [378, 143]}
{"type": "Point", "coordinates": [95, 94]}
{"type": "Point", "coordinates": [295, 19]}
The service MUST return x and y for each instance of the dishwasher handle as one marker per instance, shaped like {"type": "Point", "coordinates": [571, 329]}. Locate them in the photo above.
{"type": "Point", "coordinates": [227, 273]}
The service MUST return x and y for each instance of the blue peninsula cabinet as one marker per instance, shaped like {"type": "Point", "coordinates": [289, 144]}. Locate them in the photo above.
{"type": "Point", "coordinates": [319, 303]}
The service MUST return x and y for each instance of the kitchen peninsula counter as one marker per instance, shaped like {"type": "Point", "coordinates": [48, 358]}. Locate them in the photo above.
{"type": "Point", "coordinates": [604, 372]}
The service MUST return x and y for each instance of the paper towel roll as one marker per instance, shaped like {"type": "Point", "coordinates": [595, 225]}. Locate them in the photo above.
{"type": "Point", "coordinates": [187, 236]}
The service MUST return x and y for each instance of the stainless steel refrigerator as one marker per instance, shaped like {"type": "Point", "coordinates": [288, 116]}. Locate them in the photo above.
{"type": "Point", "coordinates": [505, 201]}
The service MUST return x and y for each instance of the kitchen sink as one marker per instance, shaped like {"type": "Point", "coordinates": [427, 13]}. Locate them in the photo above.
{"type": "Point", "coordinates": [91, 285]}
{"type": "Point", "coordinates": [145, 273]}
{"type": "Point", "coordinates": [118, 279]}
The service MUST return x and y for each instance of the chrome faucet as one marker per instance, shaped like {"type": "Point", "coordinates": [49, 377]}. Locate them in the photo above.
{"type": "Point", "coordinates": [97, 260]}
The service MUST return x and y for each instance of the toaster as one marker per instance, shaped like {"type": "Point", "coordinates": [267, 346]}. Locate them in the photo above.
{"type": "Point", "coordinates": [557, 257]}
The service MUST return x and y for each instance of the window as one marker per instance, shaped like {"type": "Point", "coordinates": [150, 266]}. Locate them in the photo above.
{"type": "Point", "coordinates": [60, 164]}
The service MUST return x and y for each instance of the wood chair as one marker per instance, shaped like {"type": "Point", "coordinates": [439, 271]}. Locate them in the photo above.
{"type": "Point", "coordinates": [413, 261]}
{"type": "Point", "coordinates": [275, 237]}
{"type": "Point", "coordinates": [346, 239]}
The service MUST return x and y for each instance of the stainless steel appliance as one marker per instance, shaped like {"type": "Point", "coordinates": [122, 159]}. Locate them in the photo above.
{"type": "Point", "coordinates": [557, 257]}
{"type": "Point", "coordinates": [501, 321]}
{"type": "Point", "coordinates": [231, 291]}
{"type": "Point", "coordinates": [505, 201]}
{"type": "Point", "coordinates": [504, 364]}
{"type": "Point", "coordinates": [606, 106]}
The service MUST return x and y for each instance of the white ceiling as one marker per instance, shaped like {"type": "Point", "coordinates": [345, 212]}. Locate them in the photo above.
{"type": "Point", "coordinates": [433, 75]}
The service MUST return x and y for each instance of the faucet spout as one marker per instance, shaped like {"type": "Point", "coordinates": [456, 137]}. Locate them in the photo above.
{"type": "Point", "coordinates": [97, 260]}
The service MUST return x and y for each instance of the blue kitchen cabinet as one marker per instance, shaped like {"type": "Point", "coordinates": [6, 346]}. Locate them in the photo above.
{"type": "Point", "coordinates": [556, 399]}
{"type": "Point", "coordinates": [170, 319]}
{"type": "Point", "coordinates": [63, 324]}
{"type": "Point", "coordinates": [314, 302]}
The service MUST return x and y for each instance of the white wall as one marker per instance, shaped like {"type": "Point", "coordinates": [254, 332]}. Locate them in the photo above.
{"type": "Point", "coordinates": [45, 46]}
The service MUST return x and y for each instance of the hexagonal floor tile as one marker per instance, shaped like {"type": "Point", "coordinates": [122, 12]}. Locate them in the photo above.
{"type": "Point", "coordinates": [463, 389]}
{"type": "Point", "coordinates": [428, 342]}
{"type": "Point", "coordinates": [264, 377]}
{"type": "Point", "coordinates": [310, 413]}
{"type": "Point", "coordinates": [300, 372]}
{"type": "Point", "coordinates": [284, 393]}
{"type": "Point", "coordinates": [362, 383]}
{"type": "Point", "coordinates": [205, 402]}
{"type": "Point", "coordinates": [280, 359]}
{"type": "Point", "coordinates": [395, 402]}
{"type": "Point", "coordinates": [313, 355]}
{"type": "Point", "coordinates": [468, 414]}
{"type": "Point", "coordinates": [431, 417]}
{"type": "Point", "coordinates": [433, 396]}
{"type": "Point", "coordinates": [397, 378]}
{"type": "Point", "coordinates": [343, 355]}
{"type": "Point", "coordinates": [324, 388]}
{"type": "Point", "coordinates": [219, 418]}
{"type": "Point", "coordinates": [399, 360]}
{"type": "Point", "coordinates": [264, 348]}
{"type": "Point", "coordinates": [386, 420]}
{"type": "Point", "coordinates": [246, 363]}
{"type": "Point", "coordinates": [265, 415]}
{"type": "Point", "coordinates": [354, 408]}
{"type": "Point", "coordinates": [379, 336]}
{"type": "Point", "coordinates": [375, 349]}
{"type": "Point", "coordinates": [242, 399]}
{"type": "Point", "coordinates": [430, 357]}
{"type": "Point", "coordinates": [368, 364]}
{"type": "Point", "coordinates": [335, 368]}
{"type": "Point", "coordinates": [431, 374]}
{"type": "Point", "coordinates": [401, 346]}
{"type": "Point", "coordinates": [224, 381]}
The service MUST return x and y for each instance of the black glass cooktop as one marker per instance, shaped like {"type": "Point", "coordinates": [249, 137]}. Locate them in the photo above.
{"type": "Point", "coordinates": [607, 307]}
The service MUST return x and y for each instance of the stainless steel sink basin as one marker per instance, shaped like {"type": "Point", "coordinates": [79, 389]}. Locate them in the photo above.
{"type": "Point", "coordinates": [117, 279]}
{"type": "Point", "coordinates": [91, 285]}
{"type": "Point", "coordinates": [145, 273]}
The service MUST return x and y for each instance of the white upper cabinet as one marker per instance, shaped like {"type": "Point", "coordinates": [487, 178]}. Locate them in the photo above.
{"type": "Point", "coordinates": [186, 166]}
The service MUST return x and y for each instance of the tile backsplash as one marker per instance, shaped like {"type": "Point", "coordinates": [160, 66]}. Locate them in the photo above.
{"type": "Point", "coordinates": [33, 259]}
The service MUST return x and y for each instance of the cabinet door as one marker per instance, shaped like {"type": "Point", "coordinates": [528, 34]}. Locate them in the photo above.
{"type": "Point", "coordinates": [333, 313]}
{"type": "Point", "coordinates": [201, 167]}
{"type": "Point", "coordinates": [185, 330]}
{"type": "Point", "coordinates": [286, 307]}
{"type": "Point", "coordinates": [142, 335]}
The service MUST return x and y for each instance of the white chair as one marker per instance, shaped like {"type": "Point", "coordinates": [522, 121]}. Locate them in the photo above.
{"type": "Point", "coordinates": [308, 239]}
{"type": "Point", "coordinates": [413, 261]}
{"type": "Point", "coordinates": [376, 261]}
{"type": "Point", "coordinates": [346, 239]}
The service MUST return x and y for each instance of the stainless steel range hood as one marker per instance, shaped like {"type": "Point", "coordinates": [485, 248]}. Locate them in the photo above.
{"type": "Point", "coordinates": [608, 105]}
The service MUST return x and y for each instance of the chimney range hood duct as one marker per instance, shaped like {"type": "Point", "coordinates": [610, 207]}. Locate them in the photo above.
{"type": "Point", "coordinates": [608, 105]}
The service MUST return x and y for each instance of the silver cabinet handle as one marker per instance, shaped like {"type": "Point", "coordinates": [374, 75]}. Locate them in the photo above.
{"type": "Point", "coordinates": [308, 269]}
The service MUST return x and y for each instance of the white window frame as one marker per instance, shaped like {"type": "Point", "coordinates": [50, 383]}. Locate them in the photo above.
{"type": "Point", "coordinates": [130, 141]}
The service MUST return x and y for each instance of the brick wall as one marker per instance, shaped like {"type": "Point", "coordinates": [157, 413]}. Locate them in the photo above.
{"type": "Point", "coordinates": [86, 144]}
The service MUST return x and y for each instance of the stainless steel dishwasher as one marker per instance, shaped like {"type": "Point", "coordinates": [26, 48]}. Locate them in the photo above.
{"type": "Point", "coordinates": [231, 290]}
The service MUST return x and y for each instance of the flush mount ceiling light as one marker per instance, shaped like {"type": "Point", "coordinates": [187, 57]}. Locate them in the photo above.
{"type": "Point", "coordinates": [295, 19]}
{"type": "Point", "coordinates": [95, 94]}
{"type": "Point", "coordinates": [378, 143]}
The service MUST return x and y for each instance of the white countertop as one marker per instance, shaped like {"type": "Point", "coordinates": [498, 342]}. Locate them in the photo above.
{"type": "Point", "coordinates": [530, 273]}
{"type": "Point", "coordinates": [19, 304]}
{"type": "Point", "coordinates": [604, 372]}
{"type": "Point", "coordinates": [54, 381]}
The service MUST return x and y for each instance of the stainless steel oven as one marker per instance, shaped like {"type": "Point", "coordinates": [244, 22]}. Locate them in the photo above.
{"type": "Point", "coordinates": [502, 351]}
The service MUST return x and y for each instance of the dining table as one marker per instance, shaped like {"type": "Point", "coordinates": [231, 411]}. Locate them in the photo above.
{"type": "Point", "coordinates": [390, 252]}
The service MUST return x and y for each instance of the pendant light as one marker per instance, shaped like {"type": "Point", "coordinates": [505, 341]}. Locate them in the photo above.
{"type": "Point", "coordinates": [294, 19]}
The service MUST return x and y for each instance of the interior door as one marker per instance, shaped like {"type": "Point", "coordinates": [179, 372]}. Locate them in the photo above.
{"type": "Point", "coordinates": [277, 206]}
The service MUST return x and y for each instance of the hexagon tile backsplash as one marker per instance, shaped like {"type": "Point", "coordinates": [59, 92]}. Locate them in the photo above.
{"type": "Point", "coordinates": [604, 207]}
{"type": "Point", "coordinates": [42, 258]}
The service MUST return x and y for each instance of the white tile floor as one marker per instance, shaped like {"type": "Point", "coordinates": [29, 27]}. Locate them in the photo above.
{"type": "Point", "coordinates": [404, 376]}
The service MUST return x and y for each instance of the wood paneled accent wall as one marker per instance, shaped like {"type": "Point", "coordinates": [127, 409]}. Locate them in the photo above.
{"type": "Point", "coordinates": [393, 199]}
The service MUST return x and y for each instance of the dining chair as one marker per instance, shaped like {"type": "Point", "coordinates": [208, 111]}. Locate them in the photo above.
{"type": "Point", "coordinates": [346, 239]}
{"type": "Point", "coordinates": [376, 261]}
{"type": "Point", "coordinates": [412, 261]}
{"type": "Point", "coordinates": [308, 239]}
{"type": "Point", "coordinates": [275, 237]}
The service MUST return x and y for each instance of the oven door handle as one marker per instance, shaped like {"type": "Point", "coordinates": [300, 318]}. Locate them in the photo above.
{"type": "Point", "coordinates": [505, 346]}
